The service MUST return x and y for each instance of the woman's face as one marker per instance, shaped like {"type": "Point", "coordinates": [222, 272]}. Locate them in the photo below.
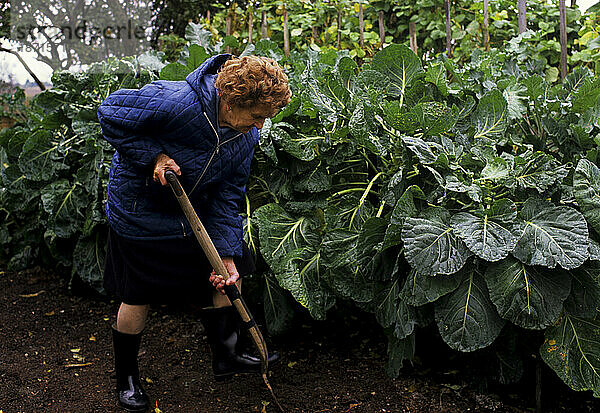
{"type": "Point", "coordinates": [243, 119]}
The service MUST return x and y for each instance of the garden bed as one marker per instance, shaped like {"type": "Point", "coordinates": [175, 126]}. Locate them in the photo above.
{"type": "Point", "coordinates": [56, 357]}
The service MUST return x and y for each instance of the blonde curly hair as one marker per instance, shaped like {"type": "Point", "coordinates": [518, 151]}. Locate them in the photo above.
{"type": "Point", "coordinates": [253, 80]}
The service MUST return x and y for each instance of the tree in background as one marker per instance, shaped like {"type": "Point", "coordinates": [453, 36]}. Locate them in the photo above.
{"type": "Point", "coordinates": [4, 18]}
{"type": "Point", "coordinates": [172, 16]}
{"type": "Point", "coordinates": [64, 33]}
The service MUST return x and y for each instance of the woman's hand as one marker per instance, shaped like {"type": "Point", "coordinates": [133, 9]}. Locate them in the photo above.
{"type": "Point", "coordinates": [162, 164]}
{"type": "Point", "coordinates": [218, 282]}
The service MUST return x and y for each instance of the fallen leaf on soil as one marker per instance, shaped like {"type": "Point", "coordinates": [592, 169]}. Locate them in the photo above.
{"type": "Point", "coordinates": [50, 313]}
{"type": "Point", "coordinates": [75, 350]}
{"type": "Point", "coordinates": [92, 338]}
{"type": "Point", "coordinates": [69, 366]}
{"type": "Point", "coordinates": [292, 363]}
{"type": "Point", "coordinates": [32, 295]}
{"type": "Point", "coordinates": [149, 380]}
{"type": "Point", "coordinates": [455, 387]}
{"type": "Point", "coordinates": [156, 409]}
{"type": "Point", "coordinates": [264, 408]}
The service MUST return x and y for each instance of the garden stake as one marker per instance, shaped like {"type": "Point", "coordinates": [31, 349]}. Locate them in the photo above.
{"type": "Point", "coordinates": [232, 291]}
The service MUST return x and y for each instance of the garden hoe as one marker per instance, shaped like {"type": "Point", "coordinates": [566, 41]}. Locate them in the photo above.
{"type": "Point", "coordinates": [232, 291]}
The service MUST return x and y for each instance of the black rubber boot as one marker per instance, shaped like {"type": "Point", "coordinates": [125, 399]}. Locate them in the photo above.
{"type": "Point", "coordinates": [222, 326]}
{"type": "Point", "coordinates": [130, 394]}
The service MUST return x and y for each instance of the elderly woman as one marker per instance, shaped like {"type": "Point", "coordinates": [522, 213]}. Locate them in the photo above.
{"type": "Point", "coordinates": [205, 129]}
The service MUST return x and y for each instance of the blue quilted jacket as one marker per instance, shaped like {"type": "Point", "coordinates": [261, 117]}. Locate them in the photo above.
{"type": "Point", "coordinates": [179, 119]}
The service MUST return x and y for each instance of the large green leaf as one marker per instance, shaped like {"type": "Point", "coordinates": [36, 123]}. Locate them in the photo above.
{"type": "Point", "coordinates": [301, 147]}
{"type": "Point", "coordinates": [319, 102]}
{"type": "Point", "coordinates": [399, 350]}
{"type": "Point", "coordinates": [513, 96]}
{"type": "Point", "coordinates": [269, 48]}
{"type": "Point", "coordinates": [530, 297]}
{"type": "Point", "coordinates": [430, 245]}
{"type": "Point", "coordinates": [490, 234]}
{"type": "Point", "coordinates": [88, 260]}
{"type": "Point", "coordinates": [536, 171]}
{"type": "Point", "coordinates": [277, 306]}
{"type": "Point", "coordinates": [197, 56]}
{"type": "Point", "coordinates": [436, 74]}
{"type": "Point", "coordinates": [552, 235]}
{"type": "Point", "coordinates": [400, 65]}
{"type": "Point", "coordinates": [196, 34]}
{"type": "Point", "coordinates": [65, 203]}
{"type": "Point", "coordinates": [491, 116]}
{"type": "Point", "coordinates": [587, 96]}
{"type": "Point", "coordinates": [87, 129]}
{"type": "Point", "coordinates": [40, 159]}
{"type": "Point", "coordinates": [584, 300]}
{"type": "Point", "coordinates": [290, 246]}
{"type": "Point", "coordinates": [535, 87]}
{"type": "Point", "coordinates": [405, 207]}
{"type": "Point", "coordinates": [373, 85]}
{"type": "Point", "coordinates": [151, 60]}
{"type": "Point", "coordinates": [421, 289]}
{"type": "Point", "coordinates": [265, 143]}
{"type": "Point", "coordinates": [496, 170]}
{"type": "Point", "coordinates": [426, 151]}
{"type": "Point", "coordinates": [349, 211]}
{"type": "Point", "coordinates": [174, 71]}
{"type": "Point", "coordinates": [572, 350]}
{"type": "Point", "coordinates": [364, 131]}
{"type": "Point", "coordinates": [397, 118]}
{"type": "Point", "coordinates": [348, 257]}
{"type": "Point", "coordinates": [586, 187]}
{"type": "Point", "coordinates": [392, 311]}
{"type": "Point", "coordinates": [466, 318]}
{"type": "Point", "coordinates": [435, 117]}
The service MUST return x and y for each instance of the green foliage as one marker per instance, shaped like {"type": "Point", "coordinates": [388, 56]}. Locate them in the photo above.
{"type": "Point", "coordinates": [588, 52]}
{"type": "Point", "coordinates": [460, 196]}
{"type": "Point", "coordinates": [469, 190]}
{"type": "Point", "coordinates": [54, 170]}
{"type": "Point", "coordinates": [171, 45]}
{"type": "Point", "coordinates": [12, 105]}
{"type": "Point", "coordinates": [314, 25]}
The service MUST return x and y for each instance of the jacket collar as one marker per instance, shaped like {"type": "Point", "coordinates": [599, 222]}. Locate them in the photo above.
{"type": "Point", "coordinates": [202, 81]}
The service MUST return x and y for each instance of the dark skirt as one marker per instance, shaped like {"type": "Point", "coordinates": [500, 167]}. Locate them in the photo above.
{"type": "Point", "coordinates": [174, 271]}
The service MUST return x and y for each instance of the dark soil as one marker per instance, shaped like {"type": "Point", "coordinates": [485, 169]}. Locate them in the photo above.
{"type": "Point", "coordinates": [56, 356]}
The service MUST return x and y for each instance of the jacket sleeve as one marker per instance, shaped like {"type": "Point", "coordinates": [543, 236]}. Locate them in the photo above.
{"type": "Point", "coordinates": [130, 119]}
{"type": "Point", "coordinates": [223, 220]}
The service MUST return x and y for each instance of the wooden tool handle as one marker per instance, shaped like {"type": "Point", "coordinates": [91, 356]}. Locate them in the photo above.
{"type": "Point", "coordinates": [232, 291]}
{"type": "Point", "coordinates": [199, 231]}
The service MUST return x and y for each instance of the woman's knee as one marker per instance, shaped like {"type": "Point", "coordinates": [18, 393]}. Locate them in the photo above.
{"type": "Point", "coordinates": [131, 319]}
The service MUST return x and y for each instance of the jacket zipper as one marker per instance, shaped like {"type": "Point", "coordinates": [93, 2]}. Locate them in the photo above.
{"type": "Point", "coordinates": [182, 228]}
{"type": "Point", "coordinates": [215, 151]}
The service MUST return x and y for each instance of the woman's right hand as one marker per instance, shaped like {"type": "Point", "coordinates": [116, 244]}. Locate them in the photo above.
{"type": "Point", "coordinates": [163, 164]}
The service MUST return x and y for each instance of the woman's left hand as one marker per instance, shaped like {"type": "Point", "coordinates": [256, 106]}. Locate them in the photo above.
{"type": "Point", "coordinates": [218, 282]}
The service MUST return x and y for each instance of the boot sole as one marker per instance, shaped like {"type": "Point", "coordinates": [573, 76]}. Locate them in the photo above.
{"type": "Point", "coordinates": [132, 410]}
{"type": "Point", "coordinates": [227, 376]}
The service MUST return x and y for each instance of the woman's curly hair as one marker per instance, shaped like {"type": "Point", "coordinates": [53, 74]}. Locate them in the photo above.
{"type": "Point", "coordinates": [253, 80]}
